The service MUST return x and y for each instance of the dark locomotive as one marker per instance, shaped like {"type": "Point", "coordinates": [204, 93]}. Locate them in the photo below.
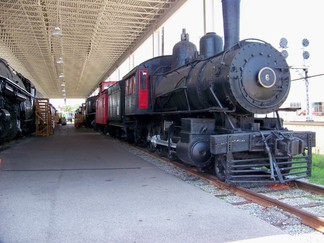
{"type": "Point", "coordinates": [90, 111]}
{"type": "Point", "coordinates": [205, 109]}
{"type": "Point", "coordinates": [17, 97]}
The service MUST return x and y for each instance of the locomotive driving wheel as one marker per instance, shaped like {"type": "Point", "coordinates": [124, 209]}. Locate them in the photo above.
{"type": "Point", "coordinates": [3, 130]}
{"type": "Point", "coordinates": [151, 148]}
{"type": "Point", "coordinates": [220, 167]}
{"type": "Point", "coordinates": [151, 138]}
{"type": "Point", "coordinates": [171, 153]}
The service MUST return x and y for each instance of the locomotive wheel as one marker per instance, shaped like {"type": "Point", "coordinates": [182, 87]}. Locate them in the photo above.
{"type": "Point", "coordinates": [171, 155]}
{"type": "Point", "coordinates": [151, 147]}
{"type": "Point", "coordinates": [105, 130]}
{"type": "Point", "coordinates": [285, 168]}
{"type": "Point", "coordinates": [111, 131]}
{"type": "Point", "coordinates": [208, 169]}
{"type": "Point", "coordinates": [161, 151]}
{"type": "Point", "coordinates": [219, 167]}
{"type": "Point", "coordinates": [13, 129]}
{"type": "Point", "coordinates": [150, 131]}
{"type": "Point", "coordinates": [136, 136]}
{"type": "Point", "coordinates": [3, 130]}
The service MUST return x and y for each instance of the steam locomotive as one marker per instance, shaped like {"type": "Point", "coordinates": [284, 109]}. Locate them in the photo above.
{"type": "Point", "coordinates": [17, 96]}
{"type": "Point", "coordinates": [89, 115]}
{"type": "Point", "coordinates": [206, 109]}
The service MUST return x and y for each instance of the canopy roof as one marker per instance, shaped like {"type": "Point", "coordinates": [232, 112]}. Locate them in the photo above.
{"type": "Point", "coordinates": [90, 37]}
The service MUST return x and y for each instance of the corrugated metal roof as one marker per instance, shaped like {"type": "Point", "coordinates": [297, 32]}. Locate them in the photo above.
{"type": "Point", "coordinates": [96, 34]}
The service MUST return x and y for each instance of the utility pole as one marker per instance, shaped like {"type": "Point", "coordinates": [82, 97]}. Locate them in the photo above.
{"type": "Point", "coordinates": [309, 116]}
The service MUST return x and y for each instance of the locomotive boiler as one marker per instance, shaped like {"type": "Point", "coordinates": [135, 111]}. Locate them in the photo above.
{"type": "Point", "coordinates": [16, 103]}
{"type": "Point", "coordinates": [251, 77]}
{"type": "Point", "coordinates": [204, 107]}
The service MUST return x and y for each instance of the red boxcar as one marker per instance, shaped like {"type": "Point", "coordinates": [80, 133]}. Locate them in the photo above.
{"type": "Point", "coordinates": [102, 106]}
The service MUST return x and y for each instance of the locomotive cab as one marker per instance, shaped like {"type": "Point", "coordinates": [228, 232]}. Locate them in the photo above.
{"type": "Point", "coordinates": [139, 84]}
{"type": "Point", "coordinates": [137, 98]}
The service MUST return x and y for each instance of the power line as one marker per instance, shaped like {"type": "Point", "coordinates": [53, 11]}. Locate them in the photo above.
{"type": "Point", "coordinates": [313, 76]}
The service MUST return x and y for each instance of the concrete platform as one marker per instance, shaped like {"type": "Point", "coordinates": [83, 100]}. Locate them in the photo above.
{"type": "Point", "coordinates": [80, 186]}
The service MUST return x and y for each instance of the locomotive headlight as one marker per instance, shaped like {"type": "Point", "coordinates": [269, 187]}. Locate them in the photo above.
{"type": "Point", "coordinates": [267, 77]}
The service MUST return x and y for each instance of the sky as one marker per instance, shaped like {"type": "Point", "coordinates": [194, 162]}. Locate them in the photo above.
{"type": "Point", "coordinates": [268, 20]}
{"type": "Point", "coordinates": [294, 20]}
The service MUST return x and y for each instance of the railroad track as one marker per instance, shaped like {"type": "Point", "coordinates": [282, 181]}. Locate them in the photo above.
{"type": "Point", "coordinates": [262, 196]}
{"type": "Point", "coordinates": [307, 218]}
{"type": "Point", "coordinates": [304, 123]}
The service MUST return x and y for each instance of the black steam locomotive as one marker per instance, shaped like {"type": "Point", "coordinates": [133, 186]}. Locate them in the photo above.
{"type": "Point", "coordinates": [205, 109]}
{"type": "Point", "coordinates": [17, 96]}
{"type": "Point", "coordinates": [90, 111]}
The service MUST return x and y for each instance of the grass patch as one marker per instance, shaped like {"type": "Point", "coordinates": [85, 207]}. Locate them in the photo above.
{"type": "Point", "coordinates": [317, 169]}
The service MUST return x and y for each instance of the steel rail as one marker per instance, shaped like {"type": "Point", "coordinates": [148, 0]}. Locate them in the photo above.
{"type": "Point", "coordinates": [309, 187]}
{"type": "Point", "coordinates": [307, 218]}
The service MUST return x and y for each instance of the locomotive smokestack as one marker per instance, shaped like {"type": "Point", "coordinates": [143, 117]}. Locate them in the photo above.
{"type": "Point", "coordinates": [231, 22]}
